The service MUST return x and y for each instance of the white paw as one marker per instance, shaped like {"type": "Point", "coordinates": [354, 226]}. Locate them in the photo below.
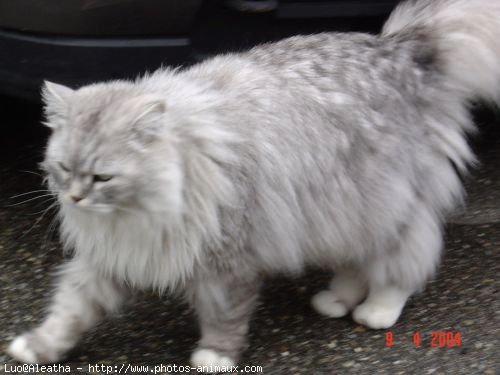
{"type": "Point", "coordinates": [211, 360]}
{"type": "Point", "coordinates": [20, 350]}
{"type": "Point", "coordinates": [376, 316]}
{"type": "Point", "coordinates": [327, 303]}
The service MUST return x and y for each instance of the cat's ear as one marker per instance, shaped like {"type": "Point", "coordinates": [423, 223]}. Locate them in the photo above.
{"type": "Point", "coordinates": [149, 111]}
{"type": "Point", "coordinates": [56, 99]}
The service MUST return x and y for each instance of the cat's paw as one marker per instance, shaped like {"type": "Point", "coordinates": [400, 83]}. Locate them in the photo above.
{"type": "Point", "coordinates": [20, 350]}
{"type": "Point", "coordinates": [29, 348]}
{"type": "Point", "coordinates": [210, 360]}
{"type": "Point", "coordinates": [327, 303]}
{"type": "Point", "coordinates": [376, 316]}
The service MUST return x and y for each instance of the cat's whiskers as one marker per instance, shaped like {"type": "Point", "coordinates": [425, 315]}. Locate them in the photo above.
{"type": "Point", "coordinates": [141, 212]}
{"type": "Point", "coordinates": [34, 173]}
{"type": "Point", "coordinates": [30, 192]}
{"type": "Point", "coordinates": [52, 228]}
{"type": "Point", "coordinates": [128, 210]}
{"type": "Point", "coordinates": [44, 202]}
{"type": "Point", "coordinates": [37, 221]}
{"type": "Point", "coordinates": [32, 199]}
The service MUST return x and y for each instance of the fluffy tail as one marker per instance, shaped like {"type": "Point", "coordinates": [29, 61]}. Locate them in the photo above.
{"type": "Point", "coordinates": [467, 37]}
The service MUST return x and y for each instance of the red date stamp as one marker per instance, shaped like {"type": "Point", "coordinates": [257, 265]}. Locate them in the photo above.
{"type": "Point", "coordinates": [437, 339]}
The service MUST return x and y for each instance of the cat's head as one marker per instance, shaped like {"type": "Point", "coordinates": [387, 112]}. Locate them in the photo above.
{"type": "Point", "coordinates": [108, 150]}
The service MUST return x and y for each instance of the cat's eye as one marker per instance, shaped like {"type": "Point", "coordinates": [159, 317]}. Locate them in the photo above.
{"type": "Point", "coordinates": [102, 177]}
{"type": "Point", "coordinates": [64, 167]}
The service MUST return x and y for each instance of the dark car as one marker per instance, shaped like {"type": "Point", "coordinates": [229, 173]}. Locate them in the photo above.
{"type": "Point", "coordinates": [81, 41]}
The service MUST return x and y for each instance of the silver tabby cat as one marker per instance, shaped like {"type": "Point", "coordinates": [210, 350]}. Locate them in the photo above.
{"type": "Point", "coordinates": [333, 150]}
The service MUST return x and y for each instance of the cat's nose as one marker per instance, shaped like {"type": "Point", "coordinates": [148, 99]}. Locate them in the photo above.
{"type": "Point", "coordinates": [75, 198]}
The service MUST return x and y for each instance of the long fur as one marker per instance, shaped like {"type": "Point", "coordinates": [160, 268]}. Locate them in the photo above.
{"type": "Point", "coordinates": [334, 150]}
{"type": "Point", "coordinates": [465, 32]}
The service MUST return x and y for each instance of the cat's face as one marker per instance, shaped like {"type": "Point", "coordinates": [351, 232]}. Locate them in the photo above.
{"type": "Point", "coordinates": [90, 175]}
{"type": "Point", "coordinates": [104, 153]}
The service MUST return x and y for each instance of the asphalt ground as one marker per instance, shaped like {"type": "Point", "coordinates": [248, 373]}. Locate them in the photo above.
{"type": "Point", "coordinates": [287, 336]}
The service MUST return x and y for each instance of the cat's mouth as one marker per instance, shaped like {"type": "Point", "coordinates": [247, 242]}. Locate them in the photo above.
{"type": "Point", "coordinates": [86, 204]}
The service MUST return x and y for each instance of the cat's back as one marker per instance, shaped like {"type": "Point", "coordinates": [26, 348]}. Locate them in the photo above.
{"type": "Point", "coordinates": [324, 72]}
{"type": "Point", "coordinates": [328, 96]}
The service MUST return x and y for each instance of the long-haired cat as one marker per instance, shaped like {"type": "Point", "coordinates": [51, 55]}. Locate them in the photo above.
{"type": "Point", "coordinates": [336, 150]}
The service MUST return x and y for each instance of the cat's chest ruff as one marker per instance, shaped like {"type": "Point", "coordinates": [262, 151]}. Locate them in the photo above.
{"type": "Point", "coordinates": [140, 250]}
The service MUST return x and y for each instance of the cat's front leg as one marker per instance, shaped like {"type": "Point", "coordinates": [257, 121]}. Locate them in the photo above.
{"type": "Point", "coordinates": [81, 299]}
{"type": "Point", "coordinates": [223, 307]}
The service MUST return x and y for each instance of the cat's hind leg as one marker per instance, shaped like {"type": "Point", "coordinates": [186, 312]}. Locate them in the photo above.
{"type": "Point", "coordinates": [346, 290]}
{"type": "Point", "coordinates": [82, 298]}
{"type": "Point", "coordinates": [404, 269]}
{"type": "Point", "coordinates": [382, 307]}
